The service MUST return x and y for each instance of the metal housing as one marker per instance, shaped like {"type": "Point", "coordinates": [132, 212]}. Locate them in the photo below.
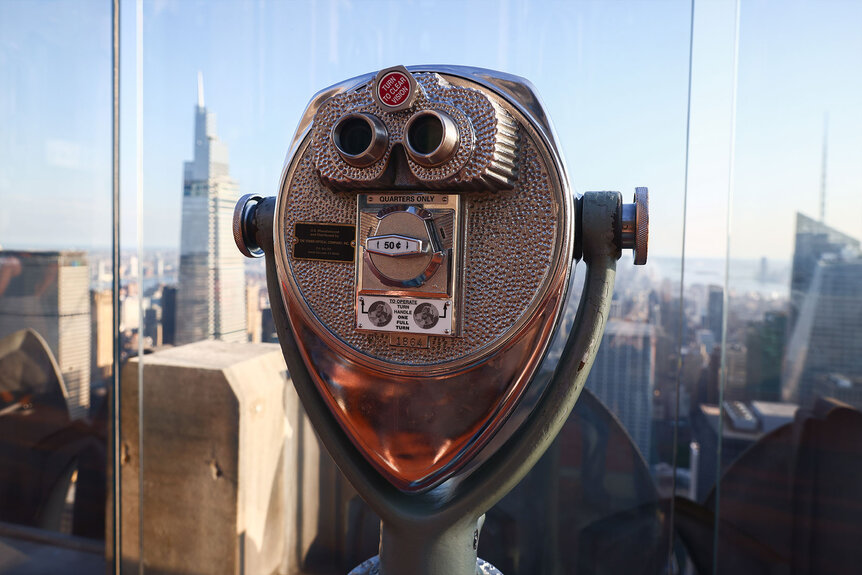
{"type": "Point", "coordinates": [419, 416]}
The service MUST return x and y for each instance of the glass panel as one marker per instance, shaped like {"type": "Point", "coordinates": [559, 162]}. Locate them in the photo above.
{"type": "Point", "coordinates": [777, 417]}
{"type": "Point", "coordinates": [56, 336]}
{"type": "Point", "coordinates": [792, 426]}
{"type": "Point", "coordinates": [614, 79]}
{"type": "Point", "coordinates": [700, 324]}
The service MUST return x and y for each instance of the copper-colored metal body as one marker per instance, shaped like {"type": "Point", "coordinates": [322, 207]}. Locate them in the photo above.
{"type": "Point", "coordinates": [420, 410]}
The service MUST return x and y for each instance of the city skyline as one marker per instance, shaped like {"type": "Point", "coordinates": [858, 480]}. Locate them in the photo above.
{"type": "Point", "coordinates": [260, 127]}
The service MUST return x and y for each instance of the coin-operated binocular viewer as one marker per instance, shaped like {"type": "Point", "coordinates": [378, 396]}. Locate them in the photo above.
{"type": "Point", "coordinates": [418, 257]}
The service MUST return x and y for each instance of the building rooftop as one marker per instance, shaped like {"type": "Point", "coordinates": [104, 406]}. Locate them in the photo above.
{"type": "Point", "coordinates": [749, 420]}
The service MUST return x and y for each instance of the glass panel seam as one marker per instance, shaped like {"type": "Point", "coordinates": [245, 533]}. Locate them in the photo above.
{"type": "Point", "coordinates": [674, 462]}
{"type": "Point", "coordinates": [722, 382]}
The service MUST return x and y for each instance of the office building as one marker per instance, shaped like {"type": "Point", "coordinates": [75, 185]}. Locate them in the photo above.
{"type": "Point", "coordinates": [715, 311]}
{"type": "Point", "coordinates": [623, 378]}
{"type": "Point", "coordinates": [49, 293]}
{"type": "Point", "coordinates": [814, 240]}
{"type": "Point", "coordinates": [153, 326]}
{"type": "Point", "coordinates": [102, 328]}
{"type": "Point", "coordinates": [169, 315]}
{"type": "Point", "coordinates": [268, 333]}
{"type": "Point", "coordinates": [211, 295]}
{"type": "Point", "coordinates": [744, 424]}
{"type": "Point", "coordinates": [825, 340]}
{"type": "Point", "coordinates": [765, 344]}
{"type": "Point", "coordinates": [253, 312]}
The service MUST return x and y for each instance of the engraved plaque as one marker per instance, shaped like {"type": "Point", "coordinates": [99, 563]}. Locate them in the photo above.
{"type": "Point", "coordinates": [324, 242]}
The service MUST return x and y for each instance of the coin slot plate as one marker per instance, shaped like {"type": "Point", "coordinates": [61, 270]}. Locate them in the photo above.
{"type": "Point", "coordinates": [428, 301]}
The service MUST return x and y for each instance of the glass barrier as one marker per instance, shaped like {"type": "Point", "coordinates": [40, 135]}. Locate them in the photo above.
{"type": "Point", "coordinates": [614, 78]}
{"type": "Point", "coordinates": [775, 433]}
{"type": "Point", "coordinates": [56, 335]}
{"type": "Point", "coordinates": [718, 428]}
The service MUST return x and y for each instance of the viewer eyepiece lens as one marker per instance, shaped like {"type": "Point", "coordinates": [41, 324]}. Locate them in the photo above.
{"type": "Point", "coordinates": [360, 139]}
{"type": "Point", "coordinates": [426, 134]}
{"type": "Point", "coordinates": [431, 138]}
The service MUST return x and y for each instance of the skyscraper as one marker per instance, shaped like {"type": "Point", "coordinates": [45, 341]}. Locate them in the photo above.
{"type": "Point", "coordinates": [814, 239]}
{"type": "Point", "coordinates": [169, 315]}
{"type": "Point", "coordinates": [211, 295]}
{"type": "Point", "coordinates": [102, 328]}
{"type": "Point", "coordinates": [715, 311]}
{"type": "Point", "coordinates": [825, 304]}
{"type": "Point", "coordinates": [765, 343]}
{"type": "Point", "coordinates": [826, 343]}
{"type": "Point", "coordinates": [623, 378]}
{"type": "Point", "coordinates": [49, 292]}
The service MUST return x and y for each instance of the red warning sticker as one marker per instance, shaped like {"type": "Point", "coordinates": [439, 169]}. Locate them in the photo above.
{"type": "Point", "coordinates": [393, 89]}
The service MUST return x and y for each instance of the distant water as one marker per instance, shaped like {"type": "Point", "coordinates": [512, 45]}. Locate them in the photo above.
{"type": "Point", "coordinates": [769, 279]}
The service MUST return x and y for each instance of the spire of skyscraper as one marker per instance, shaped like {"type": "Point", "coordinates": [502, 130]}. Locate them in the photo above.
{"type": "Point", "coordinates": [200, 89]}
{"type": "Point", "coordinates": [823, 165]}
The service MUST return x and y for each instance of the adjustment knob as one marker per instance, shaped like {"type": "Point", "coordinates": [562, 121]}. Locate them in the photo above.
{"type": "Point", "coordinates": [635, 226]}
{"type": "Point", "coordinates": [243, 226]}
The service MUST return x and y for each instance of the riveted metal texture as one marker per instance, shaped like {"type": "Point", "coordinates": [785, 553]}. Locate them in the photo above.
{"type": "Point", "coordinates": [510, 243]}
{"type": "Point", "coordinates": [419, 414]}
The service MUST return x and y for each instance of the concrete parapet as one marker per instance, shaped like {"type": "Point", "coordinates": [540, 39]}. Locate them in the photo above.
{"type": "Point", "coordinates": [214, 430]}
{"type": "Point", "coordinates": [235, 481]}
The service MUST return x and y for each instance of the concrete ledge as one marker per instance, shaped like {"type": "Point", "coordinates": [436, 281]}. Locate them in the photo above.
{"type": "Point", "coordinates": [214, 430]}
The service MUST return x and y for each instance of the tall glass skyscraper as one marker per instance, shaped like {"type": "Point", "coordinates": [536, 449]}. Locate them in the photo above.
{"type": "Point", "coordinates": [814, 239]}
{"type": "Point", "coordinates": [826, 304]}
{"type": "Point", "coordinates": [825, 346]}
{"type": "Point", "coordinates": [211, 295]}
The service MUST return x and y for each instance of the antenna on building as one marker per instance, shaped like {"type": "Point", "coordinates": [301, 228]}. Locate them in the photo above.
{"type": "Point", "coordinates": [200, 89]}
{"type": "Point", "coordinates": [823, 167]}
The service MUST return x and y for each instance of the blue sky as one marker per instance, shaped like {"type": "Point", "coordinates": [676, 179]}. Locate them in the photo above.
{"type": "Point", "coordinates": [613, 76]}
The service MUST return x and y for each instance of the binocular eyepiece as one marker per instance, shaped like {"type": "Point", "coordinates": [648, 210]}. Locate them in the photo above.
{"type": "Point", "coordinates": [430, 138]}
{"type": "Point", "coordinates": [360, 138]}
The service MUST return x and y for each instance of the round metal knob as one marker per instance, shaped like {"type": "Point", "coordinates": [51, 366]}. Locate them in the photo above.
{"type": "Point", "coordinates": [243, 214]}
{"type": "Point", "coordinates": [635, 226]}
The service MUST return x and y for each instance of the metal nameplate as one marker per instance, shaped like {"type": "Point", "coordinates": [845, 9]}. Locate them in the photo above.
{"type": "Point", "coordinates": [408, 263]}
{"type": "Point", "coordinates": [324, 242]}
{"type": "Point", "coordinates": [426, 200]}
{"type": "Point", "coordinates": [404, 314]}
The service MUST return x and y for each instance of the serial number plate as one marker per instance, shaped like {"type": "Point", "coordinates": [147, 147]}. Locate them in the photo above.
{"type": "Point", "coordinates": [402, 340]}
